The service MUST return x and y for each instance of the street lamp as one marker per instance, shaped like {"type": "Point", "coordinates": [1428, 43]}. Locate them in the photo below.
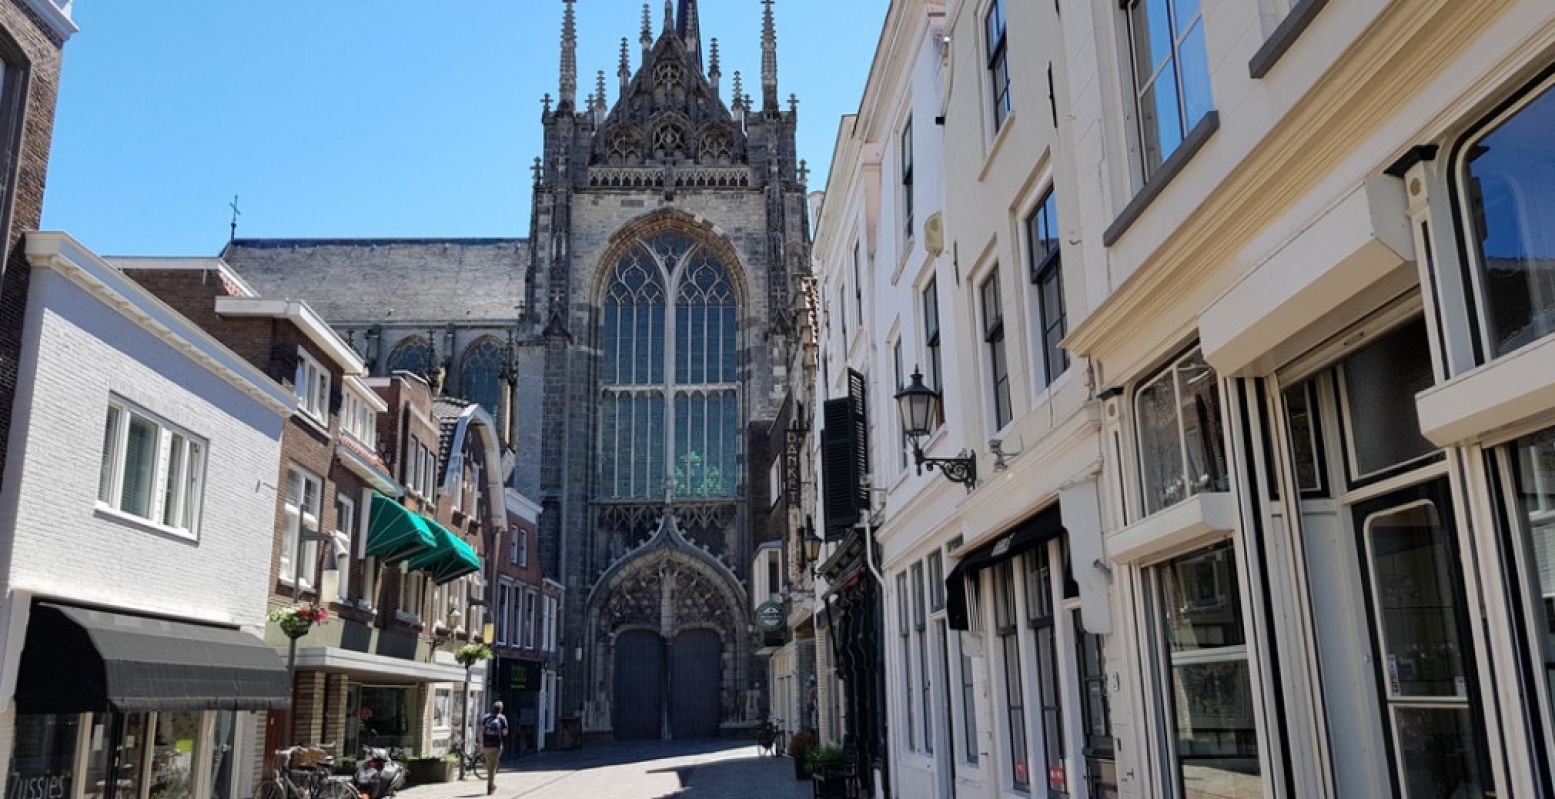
{"type": "Point", "coordinates": [919, 407]}
{"type": "Point", "coordinates": [467, 658]}
{"type": "Point", "coordinates": [812, 541]}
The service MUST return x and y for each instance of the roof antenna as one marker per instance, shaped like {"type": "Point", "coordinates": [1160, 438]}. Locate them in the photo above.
{"type": "Point", "coordinates": [235, 214]}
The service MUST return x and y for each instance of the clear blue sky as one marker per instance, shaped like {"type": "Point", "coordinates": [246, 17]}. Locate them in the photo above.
{"type": "Point", "coordinates": [368, 117]}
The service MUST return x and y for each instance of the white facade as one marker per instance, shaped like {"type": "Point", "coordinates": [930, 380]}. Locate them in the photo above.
{"type": "Point", "coordinates": [92, 337]}
{"type": "Point", "coordinates": [1301, 449]}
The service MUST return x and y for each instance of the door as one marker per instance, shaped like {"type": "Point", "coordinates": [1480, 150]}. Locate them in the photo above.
{"type": "Point", "coordinates": [1425, 660]}
{"type": "Point", "coordinates": [696, 675]}
{"type": "Point", "coordinates": [638, 680]}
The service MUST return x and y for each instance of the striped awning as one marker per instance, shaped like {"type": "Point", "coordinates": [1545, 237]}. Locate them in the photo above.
{"type": "Point", "coordinates": [449, 559]}
{"type": "Point", "coordinates": [394, 533]}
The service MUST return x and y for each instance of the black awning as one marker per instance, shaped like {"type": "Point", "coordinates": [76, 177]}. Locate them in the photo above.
{"type": "Point", "coordinates": [1045, 526]}
{"type": "Point", "coordinates": [77, 660]}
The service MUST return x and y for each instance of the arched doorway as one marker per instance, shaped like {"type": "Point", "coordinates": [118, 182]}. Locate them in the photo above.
{"type": "Point", "coordinates": [638, 687]}
{"type": "Point", "coordinates": [696, 670]}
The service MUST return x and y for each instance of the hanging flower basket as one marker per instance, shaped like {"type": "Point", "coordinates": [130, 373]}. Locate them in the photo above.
{"type": "Point", "coordinates": [470, 654]}
{"type": "Point", "coordinates": [296, 620]}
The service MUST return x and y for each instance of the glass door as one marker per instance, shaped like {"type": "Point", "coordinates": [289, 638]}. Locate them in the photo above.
{"type": "Point", "coordinates": [1425, 663]}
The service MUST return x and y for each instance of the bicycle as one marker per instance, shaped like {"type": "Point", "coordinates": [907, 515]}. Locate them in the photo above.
{"type": "Point", "coordinates": [310, 778]}
{"type": "Point", "coordinates": [769, 739]}
{"type": "Point", "coordinates": [474, 759]}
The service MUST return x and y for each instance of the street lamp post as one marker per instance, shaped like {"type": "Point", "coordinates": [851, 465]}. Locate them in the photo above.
{"type": "Point", "coordinates": [468, 655]}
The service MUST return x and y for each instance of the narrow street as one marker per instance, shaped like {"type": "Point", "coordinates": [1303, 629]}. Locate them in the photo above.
{"type": "Point", "coordinates": [650, 770]}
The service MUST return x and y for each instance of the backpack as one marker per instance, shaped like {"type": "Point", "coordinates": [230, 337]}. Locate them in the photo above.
{"type": "Point", "coordinates": [492, 729]}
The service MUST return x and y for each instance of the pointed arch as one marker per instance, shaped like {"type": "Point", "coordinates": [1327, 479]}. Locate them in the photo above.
{"type": "Point", "coordinates": [481, 370]}
{"type": "Point", "coordinates": [412, 354]}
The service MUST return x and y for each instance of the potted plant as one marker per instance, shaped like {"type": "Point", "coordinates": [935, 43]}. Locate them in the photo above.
{"type": "Point", "coordinates": [423, 770]}
{"type": "Point", "coordinates": [832, 771]}
{"type": "Point", "coordinates": [296, 620]}
{"type": "Point", "coordinates": [800, 745]}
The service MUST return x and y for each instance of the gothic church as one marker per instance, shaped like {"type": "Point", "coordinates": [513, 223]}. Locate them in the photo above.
{"type": "Point", "coordinates": [633, 345]}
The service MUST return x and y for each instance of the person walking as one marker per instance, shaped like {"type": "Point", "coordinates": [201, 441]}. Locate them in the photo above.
{"type": "Point", "coordinates": [494, 732]}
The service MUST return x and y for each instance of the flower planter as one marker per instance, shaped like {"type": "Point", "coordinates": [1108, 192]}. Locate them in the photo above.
{"type": "Point", "coordinates": [421, 771]}
{"type": "Point", "coordinates": [832, 786]}
{"type": "Point", "coordinates": [801, 768]}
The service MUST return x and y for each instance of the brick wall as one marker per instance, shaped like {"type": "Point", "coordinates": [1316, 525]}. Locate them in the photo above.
{"type": "Point", "coordinates": [30, 42]}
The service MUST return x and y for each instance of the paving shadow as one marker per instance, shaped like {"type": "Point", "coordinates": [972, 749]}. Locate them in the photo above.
{"type": "Point", "coordinates": [604, 755]}
{"type": "Point", "coordinates": [750, 777]}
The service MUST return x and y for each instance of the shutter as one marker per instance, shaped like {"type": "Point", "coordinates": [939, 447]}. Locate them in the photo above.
{"type": "Point", "coordinates": [860, 409]}
{"type": "Point", "coordinates": [839, 467]}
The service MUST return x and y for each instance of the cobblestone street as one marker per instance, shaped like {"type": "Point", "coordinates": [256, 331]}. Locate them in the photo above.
{"type": "Point", "coordinates": [689, 770]}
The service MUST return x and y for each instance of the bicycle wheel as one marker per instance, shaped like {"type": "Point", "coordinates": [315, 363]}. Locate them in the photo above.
{"type": "Point", "coordinates": [270, 789]}
{"type": "Point", "coordinates": [477, 761]}
{"type": "Point", "coordinates": [335, 789]}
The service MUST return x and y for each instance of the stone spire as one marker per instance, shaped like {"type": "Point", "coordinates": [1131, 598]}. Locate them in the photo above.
{"type": "Point", "coordinates": [713, 73]}
{"type": "Point", "coordinates": [669, 15]}
{"type": "Point", "coordinates": [689, 26]}
{"type": "Point", "coordinates": [625, 70]}
{"type": "Point", "coordinates": [769, 80]}
{"type": "Point", "coordinates": [647, 35]}
{"type": "Point", "coordinates": [737, 103]}
{"type": "Point", "coordinates": [600, 105]}
{"type": "Point", "coordinates": [569, 70]}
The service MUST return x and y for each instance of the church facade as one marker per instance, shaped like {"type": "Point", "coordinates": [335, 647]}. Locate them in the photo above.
{"type": "Point", "coordinates": [633, 348]}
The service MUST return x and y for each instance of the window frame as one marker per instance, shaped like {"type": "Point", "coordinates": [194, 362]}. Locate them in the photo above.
{"type": "Point", "coordinates": [344, 506]}
{"type": "Point", "coordinates": [414, 581]}
{"type": "Point", "coordinates": [530, 601]}
{"type": "Point", "coordinates": [312, 386]}
{"type": "Point", "coordinates": [1168, 371]}
{"type": "Point", "coordinates": [302, 553]}
{"type": "Point", "coordinates": [907, 177]}
{"type": "Point", "coordinates": [996, 46]}
{"type": "Point", "coordinates": [1000, 392]}
{"type": "Point", "coordinates": [1046, 269]}
{"type": "Point", "coordinates": [935, 379]}
{"type": "Point", "coordinates": [186, 505]}
{"type": "Point", "coordinates": [904, 629]}
{"type": "Point", "coordinates": [1007, 611]}
{"type": "Point", "coordinates": [1147, 143]}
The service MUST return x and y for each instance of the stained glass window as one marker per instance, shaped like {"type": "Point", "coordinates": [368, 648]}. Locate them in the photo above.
{"type": "Point", "coordinates": [480, 374]}
{"type": "Point", "coordinates": [413, 355]}
{"type": "Point", "coordinates": [653, 357]}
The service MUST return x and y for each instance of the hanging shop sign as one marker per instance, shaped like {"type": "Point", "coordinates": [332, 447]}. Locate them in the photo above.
{"type": "Point", "coordinates": [771, 617]}
{"type": "Point", "coordinates": [793, 445]}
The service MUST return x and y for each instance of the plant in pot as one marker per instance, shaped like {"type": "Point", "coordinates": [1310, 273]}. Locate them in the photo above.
{"type": "Point", "coordinates": [422, 770]}
{"type": "Point", "coordinates": [830, 767]}
{"type": "Point", "coordinates": [800, 745]}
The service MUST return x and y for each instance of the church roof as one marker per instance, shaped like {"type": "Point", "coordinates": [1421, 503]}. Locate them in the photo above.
{"type": "Point", "coordinates": [390, 280]}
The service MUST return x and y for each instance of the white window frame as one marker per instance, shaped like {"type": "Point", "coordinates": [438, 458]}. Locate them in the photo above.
{"type": "Point", "coordinates": [348, 529]}
{"type": "Point", "coordinates": [295, 518]}
{"type": "Point", "coordinates": [416, 581]}
{"type": "Point", "coordinates": [504, 614]}
{"type": "Point", "coordinates": [530, 600]}
{"type": "Point", "coordinates": [523, 548]}
{"type": "Point", "coordinates": [513, 544]}
{"type": "Point", "coordinates": [312, 385]}
{"type": "Point", "coordinates": [370, 580]}
{"type": "Point", "coordinates": [178, 514]}
{"type": "Point", "coordinates": [359, 420]}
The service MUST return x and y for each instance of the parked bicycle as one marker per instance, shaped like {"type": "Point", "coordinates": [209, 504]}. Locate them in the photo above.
{"type": "Point", "coordinates": [770, 739]}
{"type": "Point", "coordinates": [474, 758]}
{"type": "Point", "coordinates": [302, 772]}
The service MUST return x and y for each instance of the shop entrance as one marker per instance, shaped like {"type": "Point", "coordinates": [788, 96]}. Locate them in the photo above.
{"type": "Point", "coordinates": [638, 680]}
{"type": "Point", "coordinates": [696, 672]}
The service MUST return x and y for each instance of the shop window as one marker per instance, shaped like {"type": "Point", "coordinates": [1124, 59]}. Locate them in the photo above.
{"type": "Point", "coordinates": [904, 629]}
{"type": "Point", "coordinates": [969, 738]}
{"type": "Point", "coordinates": [442, 705]}
{"type": "Point", "coordinates": [1101, 770]}
{"type": "Point", "coordinates": [1042, 617]}
{"type": "Point", "coordinates": [1182, 448]}
{"type": "Point", "coordinates": [1006, 626]}
{"type": "Point", "coordinates": [384, 716]}
{"type": "Point", "coordinates": [1208, 687]}
{"type": "Point", "coordinates": [43, 758]}
{"type": "Point", "coordinates": [1509, 173]}
{"type": "Point", "coordinates": [223, 753]}
{"type": "Point", "coordinates": [150, 469]}
{"type": "Point", "coordinates": [993, 335]}
{"type": "Point", "coordinates": [173, 740]}
{"type": "Point", "coordinates": [1171, 75]}
{"type": "Point", "coordinates": [1534, 515]}
{"type": "Point", "coordinates": [1380, 382]}
{"type": "Point", "coordinates": [1310, 470]}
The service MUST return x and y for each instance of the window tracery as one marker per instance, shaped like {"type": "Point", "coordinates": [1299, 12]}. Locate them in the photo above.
{"type": "Point", "coordinates": [623, 146]}
{"type": "Point", "coordinates": [669, 141]}
{"type": "Point", "coordinates": [715, 147]}
{"type": "Point", "coordinates": [654, 359]}
{"type": "Point", "coordinates": [414, 355]}
{"type": "Point", "coordinates": [480, 374]}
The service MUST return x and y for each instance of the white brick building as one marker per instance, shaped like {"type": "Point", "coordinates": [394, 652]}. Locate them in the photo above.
{"type": "Point", "coordinates": [162, 522]}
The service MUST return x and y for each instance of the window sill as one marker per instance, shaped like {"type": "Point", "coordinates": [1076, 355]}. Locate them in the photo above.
{"type": "Point", "coordinates": [408, 618]}
{"type": "Point", "coordinates": [996, 146]}
{"type": "Point", "coordinates": [1505, 393]}
{"type": "Point", "coordinates": [114, 514]}
{"type": "Point", "coordinates": [1176, 529]}
{"type": "Point", "coordinates": [312, 422]}
{"type": "Point", "coordinates": [1284, 35]}
{"type": "Point", "coordinates": [1190, 146]}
